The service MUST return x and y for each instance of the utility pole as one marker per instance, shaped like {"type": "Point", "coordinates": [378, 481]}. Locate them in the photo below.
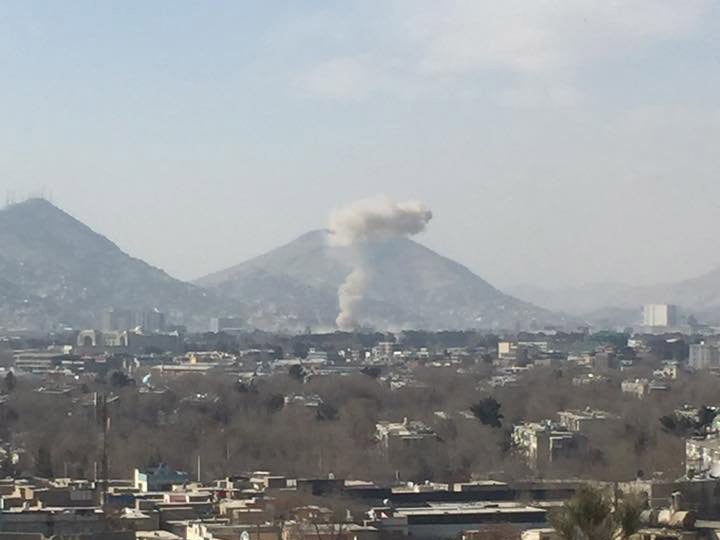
{"type": "Point", "coordinates": [103, 420]}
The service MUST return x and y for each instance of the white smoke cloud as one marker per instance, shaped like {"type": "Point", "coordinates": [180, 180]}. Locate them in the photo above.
{"type": "Point", "coordinates": [377, 218]}
{"type": "Point", "coordinates": [367, 220]}
{"type": "Point", "coordinates": [349, 295]}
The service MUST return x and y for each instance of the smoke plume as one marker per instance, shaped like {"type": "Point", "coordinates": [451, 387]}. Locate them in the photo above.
{"type": "Point", "coordinates": [366, 221]}
{"type": "Point", "coordinates": [349, 295]}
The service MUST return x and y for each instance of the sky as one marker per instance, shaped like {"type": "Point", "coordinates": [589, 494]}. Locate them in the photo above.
{"type": "Point", "coordinates": [556, 142]}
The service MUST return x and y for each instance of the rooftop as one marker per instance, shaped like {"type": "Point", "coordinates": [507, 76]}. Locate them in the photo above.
{"type": "Point", "coordinates": [467, 508]}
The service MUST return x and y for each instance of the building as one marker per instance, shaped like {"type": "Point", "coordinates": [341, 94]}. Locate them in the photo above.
{"type": "Point", "coordinates": [698, 495]}
{"type": "Point", "coordinates": [589, 378]}
{"type": "Point", "coordinates": [704, 356]}
{"type": "Point", "coordinates": [56, 522]}
{"type": "Point", "coordinates": [135, 341]}
{"type": "Point", "coordinates": [641, 388]}
{"type": "Point", "coordinates": [590, 422]}
{"type": "Point", "coordinates": [226, 324]}
{"type": "Point", "coordinates": [438, 521]}
{"type": "Point", "coordinates": [221, 530]}
{"type": "Point", "coordinates": [545, 533]}
{"type": "Point", "coordinates": [702, 457]}
{"type": "Point", "coordinates": [160, 478]}
{"type": "Point", "coordinates": [328, 531]}
{"type": "Point", "coordinates": [95, 341]}
{"type": "Point", "coordinates": [311, 401]}
{"type": "Point", "coordinates": [535, 344]}
{"type": "Point", "coordinates": [114, 340]}
{"type": "Point", "coordinates": [384, 351]}
{"type": "Point", "coordinates": [506, 348]}
{"type": "Point", "coordinates": [89, 339]}
{"type": "Point", "coordinates": [180, 370]}
{"type": "Point", "coordinates": [669, 371]}
{"type": "Point", "coordinates": [542, 443]}
{"type": "Point", "coordinates": [39, 361]}
{"type": "Point", "coordinates": [141, 342]}
{"type": "Point", "coordinates": [515, 353]}
{"type": "Point", "coordinates": [406, 434]}
{"type": "Point", "coordinates": [660, 315]}
{"type": "Point", "coordinates": [605, 360]}
{"type": "Point", "coordinates": [152, 320]}
{"type": "Point", "coordinates": [117, 320]}
{"type": "Point", "coordinates": [668, 533]}
{"type": "Point", "coordinates": [316, 356]}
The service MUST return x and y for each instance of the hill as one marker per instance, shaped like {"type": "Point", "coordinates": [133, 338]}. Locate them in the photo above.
{"type": "Point", "coordinates": [54, 269]}
{"type": "Point", "coordinates": [410, 286]}
{"type": "Point", "coordinates": [620, 304]}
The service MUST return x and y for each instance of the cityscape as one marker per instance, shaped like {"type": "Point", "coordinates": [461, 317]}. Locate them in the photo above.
{"type": "Point", "coordinates": [428, 270]}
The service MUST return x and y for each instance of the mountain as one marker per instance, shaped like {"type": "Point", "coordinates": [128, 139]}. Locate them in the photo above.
{"type": "Point", "coordinates": [409, 286]}
{"type": "Point", "coordinates": [580, 299]}
{"type": "Point", "coordinates": [621, 303]}
{"type": "Point", "coordinates": [700, 295]}
{"type": "Point", "coordinates": [54, 269]}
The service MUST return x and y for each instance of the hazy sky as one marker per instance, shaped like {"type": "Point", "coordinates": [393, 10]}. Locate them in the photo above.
{"type": "Point", "coordinates": [557, 142]}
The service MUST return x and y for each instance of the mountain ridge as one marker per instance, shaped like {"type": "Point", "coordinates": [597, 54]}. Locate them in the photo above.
{"type": "Point", "coordinates": [410, 286]}
{"type": "Point", "coordinates": [698, 295]}
{"type": "Point", "coordinates": [55, 269]}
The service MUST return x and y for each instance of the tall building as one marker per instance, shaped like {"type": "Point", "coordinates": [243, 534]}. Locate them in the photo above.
{"type": "Point", "coordinates": [660, 315]}
{"type": "Point", "coordinates": [226, 324]}
{"type": "Point", "coordinates": [384, 350]}
{"type": "Point", "coordinates": [704, 356]}
{"type": "Point", "coordinates": [153, 320]}
{"type": "Point", "coordinates": [117, 320]}
{"type": "Point", "coordinates": [120, 320]}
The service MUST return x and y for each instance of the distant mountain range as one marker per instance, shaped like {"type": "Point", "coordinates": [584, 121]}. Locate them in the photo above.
{"type": "Point", "coordinates": [621, 303]}
{"type": "Point", "coordinates": [410, 286]}
{"type": "Point", "coordinates": [55, 270]}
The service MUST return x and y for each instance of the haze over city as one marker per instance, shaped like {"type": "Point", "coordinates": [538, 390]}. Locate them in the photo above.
{"type": "Point", "coordinates": [556, 143]}
{"type": "Point", "coordinates": [360, 270]}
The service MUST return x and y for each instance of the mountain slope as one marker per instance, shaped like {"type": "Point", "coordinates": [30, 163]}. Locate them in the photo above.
{"type": "Point", "coordinates": [699, 295]}
{"type": "Point", "coordinates": [409, 286]}
{"type": "Point", "coordinates": [580, 299]}
{"type": "Point", "coordinates": [55, 269]}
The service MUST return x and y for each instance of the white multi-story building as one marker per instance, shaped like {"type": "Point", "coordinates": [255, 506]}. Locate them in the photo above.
{"type": "Point", "coordinates": [660, 315]}
{"type": "Point", "coordinates": [702, 457]}
{"type": "Point", "coordinates": [406, 434]}
{"type": "Point", "coordinates": [384, 351]}
{"type": "Point", "coordinates": [506, 348]}
{"type": "Point", "coordinates": [541, 443]}
{"type": "Point", "coordinates": [226, 324]}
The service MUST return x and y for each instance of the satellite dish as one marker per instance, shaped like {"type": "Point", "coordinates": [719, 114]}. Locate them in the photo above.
{"type": "Point", "coordinates": [244, 535]}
